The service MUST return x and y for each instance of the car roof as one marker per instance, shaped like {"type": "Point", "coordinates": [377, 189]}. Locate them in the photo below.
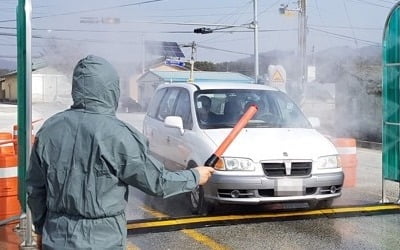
{"type": "Point", "coordinates": [218, 85]}
{"type": "Point", "coordinates": [201, 76]}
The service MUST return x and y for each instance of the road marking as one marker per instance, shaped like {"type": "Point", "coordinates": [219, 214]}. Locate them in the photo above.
{"type": "Point", "coordinates": [153, 212]}
{"type": "Point", "coordinates": [203, 239]}
{"type": "Point", "coordinates": [130, 246]}
{"type": "Point", "coordinates": [210, 220]}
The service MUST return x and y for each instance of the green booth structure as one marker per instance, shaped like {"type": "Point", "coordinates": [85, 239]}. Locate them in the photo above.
{"type": "Point", "coordinates": [391, 99]}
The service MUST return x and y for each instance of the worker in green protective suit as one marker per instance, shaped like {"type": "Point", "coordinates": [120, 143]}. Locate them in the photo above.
{"type": "Point", "coordinates": [83, 161]}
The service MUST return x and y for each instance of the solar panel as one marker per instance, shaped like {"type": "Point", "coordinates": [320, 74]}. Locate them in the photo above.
{"type": "Point", "coordinates": [166, 49]}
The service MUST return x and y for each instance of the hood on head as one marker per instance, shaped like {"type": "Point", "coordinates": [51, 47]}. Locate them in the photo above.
{"type": "Point", "coordinates": [95, 86]}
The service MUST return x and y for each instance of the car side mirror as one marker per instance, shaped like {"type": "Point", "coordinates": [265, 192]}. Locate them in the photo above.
{"type": "Point", "coordinates": [174, 122]}
{"type": "Point", "coordinates": [315, 122]}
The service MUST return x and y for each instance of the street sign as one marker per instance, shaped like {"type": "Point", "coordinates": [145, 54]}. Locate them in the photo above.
{"type": "Point", "coordinates": [277, 76]}
{"type": "Point", "coordinates": [174, 62]}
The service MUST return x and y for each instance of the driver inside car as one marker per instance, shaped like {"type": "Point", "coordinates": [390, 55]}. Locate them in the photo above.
{"type": "Point", "coordinates": [204, 109]}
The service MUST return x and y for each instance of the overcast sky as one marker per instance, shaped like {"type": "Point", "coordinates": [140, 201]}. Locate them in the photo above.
{"type": "Point", "coordinates": [354, 23]}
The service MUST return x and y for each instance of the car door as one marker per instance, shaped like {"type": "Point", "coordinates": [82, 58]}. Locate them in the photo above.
{"type": "Point", "coordinates": [179, 144]}
{"type": "Point", "coordinates": [152, 125]}
{"type": "Point", "coordinates": [161, 133]}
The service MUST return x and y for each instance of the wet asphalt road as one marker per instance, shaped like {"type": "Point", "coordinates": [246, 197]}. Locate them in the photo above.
{"type": "Point", "coordinates": [372, 232]}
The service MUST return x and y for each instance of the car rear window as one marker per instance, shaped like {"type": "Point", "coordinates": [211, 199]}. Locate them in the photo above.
{"type": "Point", "coordinates": [155, 103]}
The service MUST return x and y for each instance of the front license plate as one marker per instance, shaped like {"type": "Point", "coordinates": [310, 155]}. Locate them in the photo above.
{"type": "Point", "coordinates": [289, 187]}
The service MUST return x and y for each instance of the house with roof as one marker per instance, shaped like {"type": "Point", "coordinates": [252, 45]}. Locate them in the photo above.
{"type": "Point", "coordinates": [150, 80]}
{"type": "Point", "coordinates": [48, 85]}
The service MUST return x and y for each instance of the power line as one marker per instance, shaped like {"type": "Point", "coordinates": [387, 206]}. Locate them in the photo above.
{"type": "Point", "coordinates": [70, 39]}
{"type": "Point", "coordinates": [100, 31]}
{"type": "Point", "coordinates": [261, 30]}
{"type": "Point", "coordinates": [224, 50]}
{"type": "Point", "coordinates": [351, 26]}
{"type": "Point", "coordinates": [88, 11]}
{"type": "Point", "coordinates": [345, 27]}
{"type": "Point", "coordinates": [232, 13]}
{"type": "Point", "coordinates": [385, 1]}
{"type": "Point", "coordinates": [15, 45]}
{"type": "Point", "coordinates": [268, 8]}
{"type": "Point", "coordinates": [13, 57]}
{"type": "Point", "coordinates": [8, 57]}
{"type": "Point", "coordinates": [318, 10]}
{"type": "Point", "coordinates": [346, 37]}
{"type": "Point", "coordinates": [370, 3]}
{"type": "Point", "coordinates": [202, 15]}
{"type": "Point", "coordinates": [189, 24]}
{"type": "Point", "coordinates": [216, 30]}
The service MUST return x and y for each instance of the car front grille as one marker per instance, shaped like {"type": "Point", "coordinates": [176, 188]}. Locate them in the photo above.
{"type": "Point", "coordinates": [274, 169]}
{"type": "Point", "coordinates": [301, 168]}
{"type": "Point", "coordinates": [277, 169]}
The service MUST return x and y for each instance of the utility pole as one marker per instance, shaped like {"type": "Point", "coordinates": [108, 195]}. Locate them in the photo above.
{"type": "Point", "coordinates": [193, 46]}
{"type": "Point", "coordinates": [302, 40]}
{"type": "Point", "coordinates": [255, 23]}
{"type": "Point", "coordinates": [143, 53]}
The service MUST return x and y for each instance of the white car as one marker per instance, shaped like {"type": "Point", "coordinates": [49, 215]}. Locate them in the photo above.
{"type": "Point", "coordinates": [277, 157]}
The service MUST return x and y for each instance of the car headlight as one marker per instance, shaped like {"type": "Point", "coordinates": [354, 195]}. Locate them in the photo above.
{"type": "Point", "coordinates": [236, 164]}
{"type": "Point", "coordinates": [325, 162]}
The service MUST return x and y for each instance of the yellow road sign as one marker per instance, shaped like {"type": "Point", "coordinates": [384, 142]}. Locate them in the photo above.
{"type": "Point", "coordinates": [277, 77]}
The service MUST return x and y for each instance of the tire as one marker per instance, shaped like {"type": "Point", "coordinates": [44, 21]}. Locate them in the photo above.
{"type": "Point", "coordinates": [320, 204]}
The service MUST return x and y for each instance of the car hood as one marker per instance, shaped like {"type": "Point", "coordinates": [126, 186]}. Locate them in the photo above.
{"type": "Point", "coordinates": [274, 143]}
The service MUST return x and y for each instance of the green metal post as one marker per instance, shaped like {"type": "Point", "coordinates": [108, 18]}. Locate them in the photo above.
{"type": "Point", "coordinates": [21, 100]}
{"type": "Point", "coordinates": [24, 100]}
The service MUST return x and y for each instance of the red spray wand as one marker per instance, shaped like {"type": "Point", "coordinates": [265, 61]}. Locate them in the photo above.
{"type": "Point", "coordinates": [231, 136]}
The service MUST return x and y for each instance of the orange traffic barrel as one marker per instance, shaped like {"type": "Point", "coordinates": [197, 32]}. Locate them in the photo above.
{"type": "Point", "coordinates": [9, 238]}
{"type": "Point", "coordinates": [347, 149]}
{"type": "Point", "coordinates": [6, 143]}
{"type": "Point", "coordinates": [9, 204]}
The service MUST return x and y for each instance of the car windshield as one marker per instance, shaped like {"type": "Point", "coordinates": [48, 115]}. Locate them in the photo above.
{"type": "Point", "coordinates": [222, 108]}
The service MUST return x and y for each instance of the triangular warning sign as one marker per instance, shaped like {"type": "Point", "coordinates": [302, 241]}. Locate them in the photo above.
{"type": "Point", "coordinates": [277, 77]}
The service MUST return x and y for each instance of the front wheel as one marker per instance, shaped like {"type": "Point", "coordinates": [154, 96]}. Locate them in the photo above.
{"type": "Point", "coordinates": [198, 204]}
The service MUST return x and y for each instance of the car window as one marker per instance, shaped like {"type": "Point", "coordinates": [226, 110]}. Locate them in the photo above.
{"type": "Point", "coordinates": [155, 103]}
{"type": "Point", "coordinates": [183, 109]}
{"type": "Point", "coordinates": [275, 109]}
{"type": "Point", "coordinates": [167, 103]}
{"type": "Point", "coordinates": [290, 114]}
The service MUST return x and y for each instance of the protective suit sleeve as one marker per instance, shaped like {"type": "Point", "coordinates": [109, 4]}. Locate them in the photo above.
{"type": "Point", "coordinates": [149, 175]}
{"type": "Point", "coordinates": [36, 189]}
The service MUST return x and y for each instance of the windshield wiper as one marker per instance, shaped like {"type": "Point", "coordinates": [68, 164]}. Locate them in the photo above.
{"type": "Point", "coordinates": [218, 125]}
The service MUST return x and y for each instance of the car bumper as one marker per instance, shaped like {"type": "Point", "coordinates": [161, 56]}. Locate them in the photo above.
{"type": "Point", "coordinates": [256, 189]}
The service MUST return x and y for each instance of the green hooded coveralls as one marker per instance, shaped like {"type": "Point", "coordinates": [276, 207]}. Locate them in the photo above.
{"type": "Point", "coordinates": [82, 162]}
